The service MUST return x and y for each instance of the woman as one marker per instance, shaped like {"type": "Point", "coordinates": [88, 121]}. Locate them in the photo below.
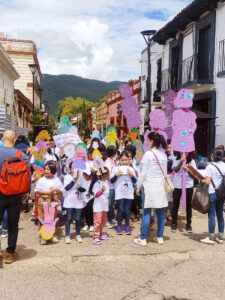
{"type": "Point", "coordinates": [213, 180]}
{"type": "Point", "coordinates": [152, 179]}
{"type": "Point", "coordinates": [178, 167]}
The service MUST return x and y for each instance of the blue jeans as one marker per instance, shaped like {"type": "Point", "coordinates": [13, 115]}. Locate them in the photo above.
{"type": "Point", "coordinates": [124, 205]}
{"type": "Point", "coordinates": [146, 218]}
{"type": "Point", "coordinates": [216, 207]}
{"type": "Point", "coordinates": [75, 214]}
{"type": "Point", "coordinates": [111, 204]}
{"type": "Point", "coordinates": [5, 221]}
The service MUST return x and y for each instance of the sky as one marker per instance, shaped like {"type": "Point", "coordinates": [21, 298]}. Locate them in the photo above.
{"type": "Point", "coordinates": [96, 39]}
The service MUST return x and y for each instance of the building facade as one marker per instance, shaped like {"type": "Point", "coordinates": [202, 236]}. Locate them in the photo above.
{"type": "Point", "coordinates": [91, 118]}
{"type": "Point", "coordinates": [101, 116]}
{"type": "Point", "coordinates": [189, 52]}
{"type": "Point", "coordinates": [115, 99]}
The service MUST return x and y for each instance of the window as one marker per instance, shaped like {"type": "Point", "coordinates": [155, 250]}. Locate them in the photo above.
{"type": "Point", "coordinates": [112, 120]}
{"type": "Point", "coordinates": [159, 75]}
{"type": "Point", "coordinates": [204, 53]}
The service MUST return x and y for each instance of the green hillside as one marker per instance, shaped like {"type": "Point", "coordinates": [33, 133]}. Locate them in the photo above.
{"type": "Point", "coordinates": [57, 87]}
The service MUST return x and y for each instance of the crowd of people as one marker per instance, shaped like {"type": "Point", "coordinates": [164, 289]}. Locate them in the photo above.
{"type": "Point", "coordinates": [112, 195]}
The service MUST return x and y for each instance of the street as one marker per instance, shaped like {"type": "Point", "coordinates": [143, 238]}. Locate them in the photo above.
{"type": "Point", "coordinates": [182, 268]}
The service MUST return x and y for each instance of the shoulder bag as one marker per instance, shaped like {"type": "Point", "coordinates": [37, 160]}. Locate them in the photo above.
{"type": "Point", "coordinates": [167, 183]}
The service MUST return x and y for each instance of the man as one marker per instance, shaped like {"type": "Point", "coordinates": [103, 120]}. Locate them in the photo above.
{"type": "Point", "coordinates": [11, 203]}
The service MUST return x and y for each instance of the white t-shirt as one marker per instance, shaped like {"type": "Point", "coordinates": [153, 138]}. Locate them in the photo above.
{"type": "Point", "coordinates": [214, 174]}
{"type": "Point", "coordinates": [177, 178]}
{"type": "Point", "coordinates": [72, 198]}
{"type": "Point", "coordinates": [123, 186]}
{"type": "Point", "coordinates": [102, 202]}
{"type": "Point", "coordinates": [85, 184]}
{"type": "Point", "coordinates": [45, 184]}
{"type": "Point", "coordinates": [153, 168]}
{"type": "Point", "coordinates": [47, 157]}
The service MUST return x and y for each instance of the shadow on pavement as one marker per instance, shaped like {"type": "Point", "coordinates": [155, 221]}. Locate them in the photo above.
{"type": "Point", "coordinates": [25, 253]}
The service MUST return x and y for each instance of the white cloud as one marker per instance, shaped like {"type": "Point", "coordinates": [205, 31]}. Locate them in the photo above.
{"type": "Point", "coordinates": [95, 39]}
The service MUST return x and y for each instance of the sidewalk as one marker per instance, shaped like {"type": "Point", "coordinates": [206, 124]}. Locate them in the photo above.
{"type": "Point", "coordinates": [182, 268]}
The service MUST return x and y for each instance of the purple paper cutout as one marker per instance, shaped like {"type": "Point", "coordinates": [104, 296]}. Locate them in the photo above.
{"type": "Point", "coordinates": [169, 108]}
{"type": "Point", "coordinates": [129, 107]}
{"type": "Point", "coordinates": [184, 126]}
{"type": "Point", "coordinates": [48, 224]}
{"type": "Point", "coordinates": [40, 145]}
{"type": "Point", "coordinates": [184, 98]}
{"type": "Point", "coordinates": [80, 157]}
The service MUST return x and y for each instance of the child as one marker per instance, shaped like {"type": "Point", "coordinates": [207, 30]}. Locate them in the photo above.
{"type": "Point", "coordinates": [124, 178]}
{"type": "Point", "coordinates": [73, 202]}
{"type": "Point", "coordinates": [87, 212]}
{"type": "Point", "coordinates": [100, 188]}
{"type": "Point", "coordinates": [110, 165]}
{"type": "Point", "coordinates": [48, 189]}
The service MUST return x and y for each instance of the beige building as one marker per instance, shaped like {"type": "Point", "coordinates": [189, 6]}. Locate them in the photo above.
{"type": "Point", "coordinates": [101, 116]}
{"type": "Point", "coordinates": [21, 54]}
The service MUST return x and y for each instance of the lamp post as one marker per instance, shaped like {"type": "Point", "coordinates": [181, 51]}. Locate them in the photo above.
{"type": "Point", "coordinates": [147, 35]}
{"type": "Point", "coordinates": [33, 68]}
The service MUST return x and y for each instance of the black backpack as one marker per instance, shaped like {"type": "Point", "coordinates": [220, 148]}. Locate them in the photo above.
{"type": "Point", "coordinates": [220, 191]}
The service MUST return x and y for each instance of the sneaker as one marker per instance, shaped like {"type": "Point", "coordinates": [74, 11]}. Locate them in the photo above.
{"type": "Point", "coordinates": [160, 241]}
{"type": "Point", "coordinates": [91, 229]}
{"type": "Point", "coordinates": [67, 240]}
{"type": "Point", "coordinates": [43, 241]}
{"type": "Point", "coordinates": [96, 241]}
{"type": "Point", "coordinates": [85, 228]}
{"type": "Point", "coordinates": [55, 240]}
{"type": "Point", "coordinates": [219, 239]}
{"type": "Point", "coordinates": [208, 240]}
{"type": "Point", "coordinates": [127, 230]}
{"type": "Point", "coordinates": [113, 222]}
{"type": "Point", "coordinates": [141, 242]}
{"type": "Point", "coordinates": [104, 237]}
{"type": "Point", "coordinates": [108, 225]}
{"type": "Point", "coordinates": [119, 230]}
{"type": "Point", "coordinates": [79, 239]}
{"type": "Point", "coordinates": [174, 228]}
{"type": "Point", "coordinates": [189, 228]}
{"type": "Point", "coordinates": [4, 233]}
{"type": "Point", "coordinates": [11, 257]}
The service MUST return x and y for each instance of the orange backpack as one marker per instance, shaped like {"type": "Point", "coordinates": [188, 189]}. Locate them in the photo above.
{"type": "Point", "coordinates": [15, 176]}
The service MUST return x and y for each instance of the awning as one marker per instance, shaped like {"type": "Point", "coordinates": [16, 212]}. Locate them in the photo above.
{"type": "Point", "coordinates": [203, 115]}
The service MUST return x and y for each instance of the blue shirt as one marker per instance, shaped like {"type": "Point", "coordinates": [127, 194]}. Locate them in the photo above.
{"type": "Point", "coordinates": [8, 152]}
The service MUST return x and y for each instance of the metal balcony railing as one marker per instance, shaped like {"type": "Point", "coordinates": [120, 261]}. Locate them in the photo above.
{"type": "Point", "coordinates": [165, 80]}
{"type": "Point", "coordinates": [221, 63]}
{"type": "Point", "coordinates": [188, 70]}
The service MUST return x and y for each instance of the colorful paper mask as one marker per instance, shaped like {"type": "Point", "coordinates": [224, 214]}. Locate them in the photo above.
{"type": "Point", "coordinates": [80, 157]}
{"type": "Point", "coordinates": [133, 134]}
{"type": "Point", "coordinates": [43, 136]}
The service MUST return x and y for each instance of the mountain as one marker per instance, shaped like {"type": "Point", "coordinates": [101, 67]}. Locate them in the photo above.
{"type": "Point", "coordinates": [57, 87]}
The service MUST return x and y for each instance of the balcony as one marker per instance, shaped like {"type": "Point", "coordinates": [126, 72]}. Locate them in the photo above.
{"type": "Point", "coordinates": [221, 62]}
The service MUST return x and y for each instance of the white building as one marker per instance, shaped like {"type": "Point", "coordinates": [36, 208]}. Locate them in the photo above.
{"type": "Point", "coordinates": [189, 52]}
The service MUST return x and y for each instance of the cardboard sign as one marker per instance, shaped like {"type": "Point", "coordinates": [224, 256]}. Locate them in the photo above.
{"type": "Point", "coordinates": [69, 150]}
{"type": "Point", "coordinates": [80, 157]}
{"type": "Point", "coordinates": [66, 138]}
{"type": "Point", "coordinates": [65, 124]}
{"type": "Point", "coordinates": [129, 107]}
{"type": "Point", "coordinates": [139, 151]}
{"type": "Point", "coordinates": [111, 136]}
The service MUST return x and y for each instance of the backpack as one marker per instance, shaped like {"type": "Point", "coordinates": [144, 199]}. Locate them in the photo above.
{"type": "Point", "coordinates": [15, 176]}
{"type": "Point", "coordinates": [220, 191]}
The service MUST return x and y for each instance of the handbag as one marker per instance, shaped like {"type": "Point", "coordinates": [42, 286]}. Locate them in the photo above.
{"type": "Point", "coordinates": [169, 187]}
{"type": "Point", "coordinates": [220, 191]}
{"type": "Point", "coordinates": [200, 200]}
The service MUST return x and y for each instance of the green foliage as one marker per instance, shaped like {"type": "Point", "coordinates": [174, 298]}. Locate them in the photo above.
{"type": "Point", "coordinates": [70, 107]}
{"type": "Point", "coordinates": [57, 87]}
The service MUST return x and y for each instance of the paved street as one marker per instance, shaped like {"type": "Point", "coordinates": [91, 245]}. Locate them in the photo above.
{"type": "Point", "coordinates": [182, 268]}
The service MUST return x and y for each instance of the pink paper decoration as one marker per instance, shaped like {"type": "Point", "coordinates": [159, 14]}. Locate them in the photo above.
{"type": "Point", "coordinates": [158, 122]}
{"type": "Point", "coordinates": [48, 224]}
{"type": "Point", "coordinates": [184, 126]}
{"type": "Point", "coordinates": [44, 116]}
{"type": "Point", "coordinates": [169, 108]}
{"type": "Point", "coordinates": [129, 107]}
